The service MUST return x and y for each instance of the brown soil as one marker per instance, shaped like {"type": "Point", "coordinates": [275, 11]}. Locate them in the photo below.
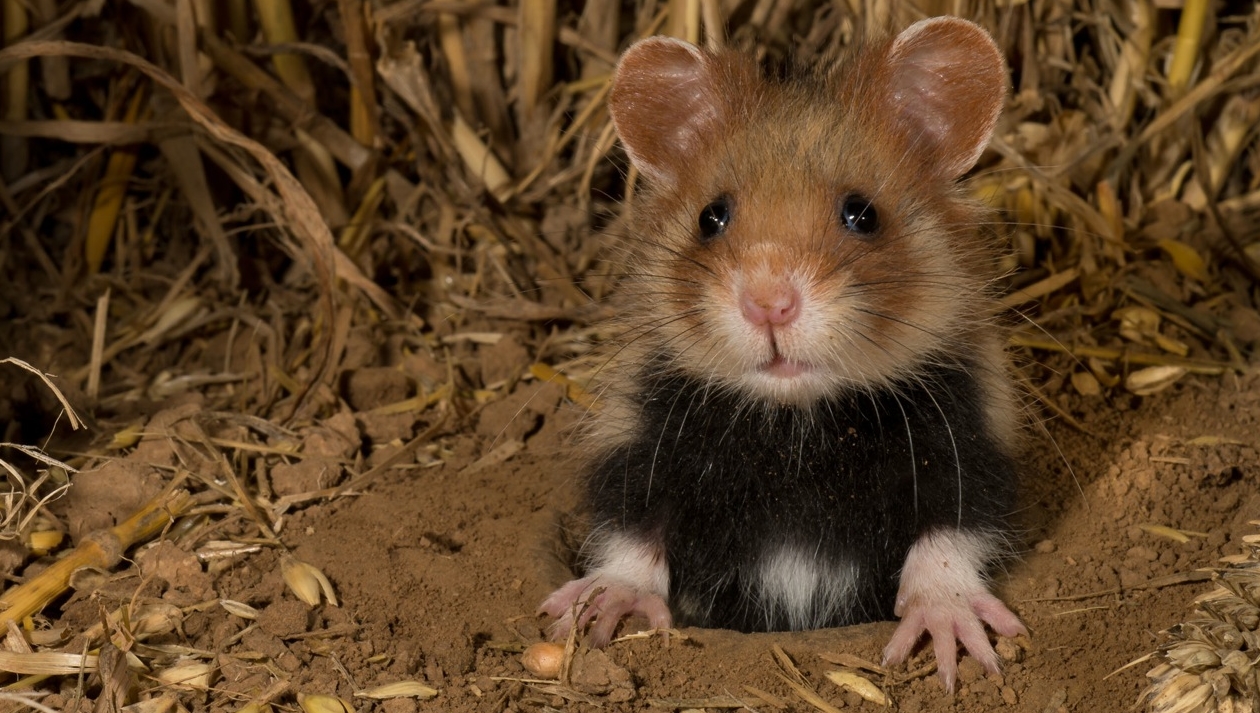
{"type": "Point", "coordinates": [439, 564]}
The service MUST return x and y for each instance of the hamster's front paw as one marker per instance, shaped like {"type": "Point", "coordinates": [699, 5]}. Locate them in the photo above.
{"type": "Point", "coordinates": [944, 594]}
{"type": "Point", "coordinates": [612, 602]}
{"type": "Point", "coordinates": [950, 621]}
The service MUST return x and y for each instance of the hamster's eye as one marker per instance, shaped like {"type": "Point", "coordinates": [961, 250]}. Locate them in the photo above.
{"type": "Point", "coordinates": [714, 218]}
{"type": "Point", "coordinates": [859, 216]}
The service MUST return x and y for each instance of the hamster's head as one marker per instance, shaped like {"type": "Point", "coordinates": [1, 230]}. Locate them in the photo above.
{"type": "Point", "coordinates": [801, 237]}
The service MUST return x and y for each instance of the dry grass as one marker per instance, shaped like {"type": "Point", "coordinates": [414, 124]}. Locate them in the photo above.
{"type": "Point", "coordinates": [1208, 663]}
{"type": "Point", "coordinates": [215, 198]}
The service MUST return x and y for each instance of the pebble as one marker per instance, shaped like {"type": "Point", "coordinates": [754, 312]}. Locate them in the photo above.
{"type": "Point", "coordinates": [1008, 650]}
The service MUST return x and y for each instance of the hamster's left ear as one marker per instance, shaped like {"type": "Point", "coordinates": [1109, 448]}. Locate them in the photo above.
{"type": "Point", "coordinates": [666, 100]}
{"type": "Point", "coordinates": [948, 85]}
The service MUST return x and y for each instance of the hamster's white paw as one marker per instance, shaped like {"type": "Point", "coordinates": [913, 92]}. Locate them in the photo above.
{"type": "Point", "coordinates": [943, 594]}
{"type": "Point", "coordinates": [951, 621]}
{"type": "Point", "coordinates": [612, 602]}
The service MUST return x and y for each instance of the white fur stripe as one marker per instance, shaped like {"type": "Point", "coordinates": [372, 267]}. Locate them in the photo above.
{"type": "Point", "coordinates": [810, 593]}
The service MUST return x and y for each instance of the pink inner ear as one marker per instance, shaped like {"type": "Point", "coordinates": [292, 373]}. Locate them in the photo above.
{"type": "Point", "coordinates": [663, 102]}
{"type": "Point", "coordinates": [948, 86]}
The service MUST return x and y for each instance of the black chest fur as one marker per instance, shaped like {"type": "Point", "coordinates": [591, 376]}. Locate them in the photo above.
{"type": "Point", "coordinates": [849, 485]}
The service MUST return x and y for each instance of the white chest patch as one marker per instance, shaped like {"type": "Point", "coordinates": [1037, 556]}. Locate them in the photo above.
{"type": "Point", "coordinates": [795, 585]}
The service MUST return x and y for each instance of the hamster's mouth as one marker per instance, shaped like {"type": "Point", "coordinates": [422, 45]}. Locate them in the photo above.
{"type": "Point", "coordinates": [784, 368]}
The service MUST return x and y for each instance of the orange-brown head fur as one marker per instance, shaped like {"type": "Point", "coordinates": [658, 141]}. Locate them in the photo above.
{"type": "Point", "coordinates": [784, 156]}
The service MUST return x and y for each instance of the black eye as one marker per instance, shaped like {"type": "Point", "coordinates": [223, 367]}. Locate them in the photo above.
{"type": "Point", "coordinates": [859, 216]}
{"type": "Point", "coordinates": [714, 218]}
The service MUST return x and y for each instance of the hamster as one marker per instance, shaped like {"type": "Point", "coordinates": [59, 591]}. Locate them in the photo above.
{"type": "Point", "coordinates": [810, 423]}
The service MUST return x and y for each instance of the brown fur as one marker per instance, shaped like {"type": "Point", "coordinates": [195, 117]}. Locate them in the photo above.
{"type": "Point", "coordinates": [786, 152]}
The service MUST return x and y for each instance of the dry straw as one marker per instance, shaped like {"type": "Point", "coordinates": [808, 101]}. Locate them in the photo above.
{"type": "Point", "coordinates": [1207, 664]}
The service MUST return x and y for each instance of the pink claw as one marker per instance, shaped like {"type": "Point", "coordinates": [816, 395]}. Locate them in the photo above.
{"type": "Point", "coordinates": [949, 622]}
{"type": "Point", "coordinates": [943, 593]}
{"type": "Point", "coordinates": [611, 602]}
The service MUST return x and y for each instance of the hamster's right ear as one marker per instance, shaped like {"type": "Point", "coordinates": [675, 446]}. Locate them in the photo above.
{"type": "Point", "coordinates": [664, 102]}
{"type": "Point", "coordinates": [948, 84]}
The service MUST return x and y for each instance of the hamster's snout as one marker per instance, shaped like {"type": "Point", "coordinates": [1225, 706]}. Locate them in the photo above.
{"type": "Point", "coordinates": [770, 304]}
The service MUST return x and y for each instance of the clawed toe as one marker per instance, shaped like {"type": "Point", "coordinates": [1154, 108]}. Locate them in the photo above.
{"type": "Point", "coordinates": [601, 605]}
{"type": "Point", "coordinates": [949, 626]}
{"type": "Point", "coordinates": [943, 594]}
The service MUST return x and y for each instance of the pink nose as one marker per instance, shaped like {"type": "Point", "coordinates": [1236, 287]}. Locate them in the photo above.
{"type": "Point", "coordinates": [770, 305]}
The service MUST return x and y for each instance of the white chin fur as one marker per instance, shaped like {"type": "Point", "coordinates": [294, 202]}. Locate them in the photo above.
{"type": "Point", "coordinates": [826, 343]}
{"type": "Point", "coordinates": [801, 390]}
